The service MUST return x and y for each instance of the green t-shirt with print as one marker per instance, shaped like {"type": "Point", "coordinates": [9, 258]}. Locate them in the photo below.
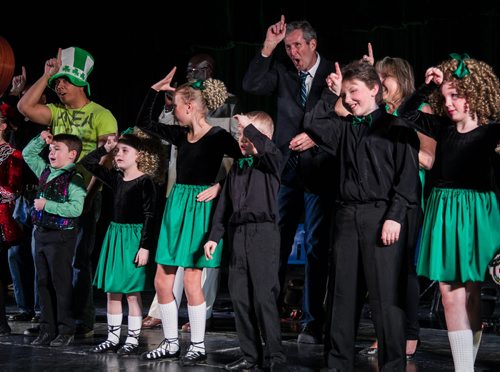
{"type": "Point", "coordinates": [87, 123]}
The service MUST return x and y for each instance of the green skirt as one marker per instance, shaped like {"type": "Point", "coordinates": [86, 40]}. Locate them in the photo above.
{"type": "Point", "coordinates": [116, 271]}
{"type": "Point", "coordinates": [184, 229]}
{"type": "Point", "coordinates": [460, 236]}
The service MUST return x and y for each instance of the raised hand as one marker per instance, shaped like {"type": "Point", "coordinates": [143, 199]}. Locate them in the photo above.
{"type": "Point", "coordinates": [18, 83]}
{"type": "Point", "coordinates": [334, 80]}
{"type": "Point", "coordinates": [46, 136]}
{"type": "Point", "coordinates": [434, 74]}
{"type": "Point", "coordinates": [275, 34]}
{"type": "Point", "coordinates": [111, 143]}
{"type": "Point", "coordinates": [369, 58]}
{"type": "Point", "coordinates": [243, 120]}
{"type": "Point", "coordinates": [52, 65]}
{"type": "Point", "coordinates": [165, 84]}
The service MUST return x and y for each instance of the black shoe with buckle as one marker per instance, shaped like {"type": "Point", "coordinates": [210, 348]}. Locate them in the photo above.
{"type": "Point", "coordinates": [309, 336]}
{"type": "Point", "coordinates": [43, 338]}
{"type": "Point", "coordinates": [240, 364]}
{"type": "Point", "coordinates": [62, 340]}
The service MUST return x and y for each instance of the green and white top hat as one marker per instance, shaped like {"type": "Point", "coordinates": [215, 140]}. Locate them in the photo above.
{"type": "Point", "coordinates": [76, 66]}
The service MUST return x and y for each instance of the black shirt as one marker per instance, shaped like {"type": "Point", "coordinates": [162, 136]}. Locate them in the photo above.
{"type": "Point", "coordinates": [197, 163]}
{"type": "Point", "coordinates": [250, 193]}
{"type": "Point", "coordinates": [134, 201]}
{"type": "Point", "coordinates": [377, 162]}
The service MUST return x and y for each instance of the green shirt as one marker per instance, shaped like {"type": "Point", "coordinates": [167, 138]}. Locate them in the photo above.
{"type": "Point", "coordinates": [87, 123]}
{"type": "Point", "coordinates": [73, 207]}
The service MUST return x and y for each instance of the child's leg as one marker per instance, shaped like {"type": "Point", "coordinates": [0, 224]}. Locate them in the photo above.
{"type": "Point", "coordinates": [131, 345]}
{"type": "Point", "coordinates": [240, 289]}
{"type": "Point", "coordinates": [197, 316]}
{"type": "Point", "coordinates": [473, 290]}
{"type": "Point", "coordinates": [454, 297]}
{"type": "Point", "coordinates": [263, 264]}
{"type": "Point", "coordinates": [115, 316]}
{"type": "Point", "coordinates": [169, 347]}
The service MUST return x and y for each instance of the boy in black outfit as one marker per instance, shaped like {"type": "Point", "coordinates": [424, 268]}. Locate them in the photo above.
{"type": "Point", "coordinates": [248, 210]}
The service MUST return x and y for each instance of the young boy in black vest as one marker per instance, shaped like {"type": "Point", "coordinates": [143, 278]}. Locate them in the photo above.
{"type": "Point", "coordinates": [58, 204]}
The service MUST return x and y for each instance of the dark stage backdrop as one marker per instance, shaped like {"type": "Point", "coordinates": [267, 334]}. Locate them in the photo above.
{"type": "Point", "coordinates": [130, 57]}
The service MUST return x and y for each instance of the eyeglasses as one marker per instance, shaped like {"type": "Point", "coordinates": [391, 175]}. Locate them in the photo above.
{"type": "Point", "coordinates": [195, 69]}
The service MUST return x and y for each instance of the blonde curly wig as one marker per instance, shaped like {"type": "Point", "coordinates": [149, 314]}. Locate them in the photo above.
{"type": "Point", "coordinates": [214, 94]}
{"type": "Point", "coordinates": [480, 88]}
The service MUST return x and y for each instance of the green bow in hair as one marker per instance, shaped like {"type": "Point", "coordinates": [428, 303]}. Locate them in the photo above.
{"type": "Point", "coordinates": [198, 84]}
{"type": "Point", "coordinates": [366, 120]}
{"type": "Point", "coordinates": [462, 70]}
{"type": "Point", "coordinates": [248, 160]}
{"type": "Point", "coordinates": [129, 130]}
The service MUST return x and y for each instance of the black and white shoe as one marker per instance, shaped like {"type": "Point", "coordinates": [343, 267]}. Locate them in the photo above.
{"type": "Point", "coordinates": [104, 347]}
{"type": "Point", "coordinates": [163, 351]}
{"type": "Point", "coordinates": [195, 354]}
{"type": "Point", "coordinates": [128, 349]}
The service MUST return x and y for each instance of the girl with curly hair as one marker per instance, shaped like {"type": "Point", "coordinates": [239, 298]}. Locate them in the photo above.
{"type": "Point", "coordinates": [186, 219]}
{"type": "Point", "coordinates": [123, 263]}
{"type": "Point", "coordinates": [460, 231]}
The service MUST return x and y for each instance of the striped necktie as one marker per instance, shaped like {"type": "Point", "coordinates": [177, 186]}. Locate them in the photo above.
{"type": "Point", "coordinates": [303, 87]}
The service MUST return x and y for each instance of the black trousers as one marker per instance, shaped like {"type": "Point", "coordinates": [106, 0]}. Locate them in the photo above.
{"type": "Point", "coordinates": [254, 288]}
{"type": "Point", "coordinates": [54, 250]}
{"type": "Point", "coordinates": [360, 262]}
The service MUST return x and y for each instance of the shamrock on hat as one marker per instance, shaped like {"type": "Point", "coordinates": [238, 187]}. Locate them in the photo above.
{"type": "Point", "coordinates": [76, 66]}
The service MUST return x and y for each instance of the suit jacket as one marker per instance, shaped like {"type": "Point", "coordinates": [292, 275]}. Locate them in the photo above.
{"type": "Point", "coordinates": [267, 76]}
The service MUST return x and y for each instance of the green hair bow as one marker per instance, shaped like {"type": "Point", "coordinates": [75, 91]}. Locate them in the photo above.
{"type": "Point", "coordinates": [198, 84]}
{"type": "Point", "coordinates": [462, 70]}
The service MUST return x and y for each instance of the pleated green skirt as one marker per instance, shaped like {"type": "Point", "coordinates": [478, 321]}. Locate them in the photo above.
{"type": "Point", "coordinates": [116, 271]}
{"type": "Point", "coordinates": [184, 229]}
{"type": "Point", "coordinates": [460, 235]}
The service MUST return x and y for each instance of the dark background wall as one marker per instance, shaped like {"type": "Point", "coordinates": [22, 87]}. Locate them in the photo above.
{"type": "Point", "coordinates": [130, 56]}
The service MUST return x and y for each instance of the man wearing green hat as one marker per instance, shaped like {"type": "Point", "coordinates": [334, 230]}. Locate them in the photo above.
{"type": "Point", "coordinates": [75, 114]}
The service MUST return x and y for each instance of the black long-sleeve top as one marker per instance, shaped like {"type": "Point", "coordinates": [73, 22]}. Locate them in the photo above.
{"type": "Point", "coordinates": [197, 163]}
{"type": "Point", "coordinates": [134, 201]}
{"type": "Point", "coordinates": [463, 160]}
{"type": "Point", "coordinates": [376, 163]}
{"type": "Point", "coordinates": [250, 194]}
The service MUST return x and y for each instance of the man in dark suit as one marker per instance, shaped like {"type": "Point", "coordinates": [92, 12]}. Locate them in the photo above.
{"type": "Point", "coordinates": [303, 190]}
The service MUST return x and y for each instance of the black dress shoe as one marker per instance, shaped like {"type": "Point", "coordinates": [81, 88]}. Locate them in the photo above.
{"type": "Point", "coordinates": [62, 340]}
{"type": "Point", "coordinates": [4, 330]}
{"type": "Point", "coordinates": [240, 364]}
{"type": "Point", "coordinates": [43, 339]}
{"type": "Point", "coordinates": [309, 336]}
{"type": "Point", "coordinates": [278, 366]}
{"type": "Point", "coordinates": [23, 316]}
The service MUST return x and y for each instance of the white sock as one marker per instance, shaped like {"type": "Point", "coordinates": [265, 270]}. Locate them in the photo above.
{"type": "Point", "coordinates": [170, 322]}
{"type": "Point", "coordinates": [476, 341]}
{"type": "Point", "coordinates": [461, 350]}
{"type": "Point", "coordinates": [134, 329]}
{"type": "Point", "coordinates": [197, 321]}
{"type": "Point", "coordinates": [115, 322]}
